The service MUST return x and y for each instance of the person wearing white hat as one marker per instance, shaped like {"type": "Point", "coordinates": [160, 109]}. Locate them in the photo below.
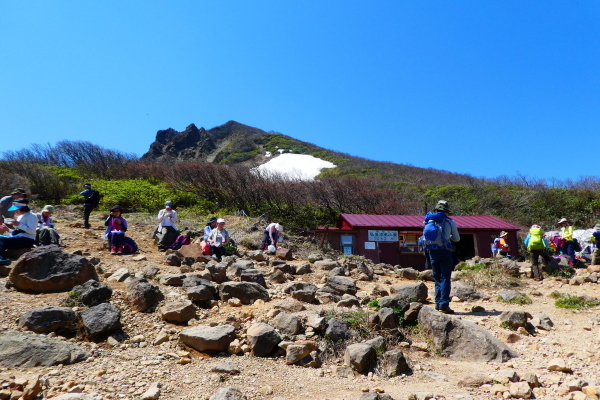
{"type": "Point", "coordinates": [271, 234]}
{"type": "Point", "coordinates": [566, 232]}
{"type": "Point", "coordinates": [45, 233]}
{"type": "Point", "coordinates": [167, 230]}
{"type": "Point", "coordinates": [218, 239]}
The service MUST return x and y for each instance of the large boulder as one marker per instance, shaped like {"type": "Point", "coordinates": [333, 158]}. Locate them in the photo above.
{"type": "Point", "coordinates": [460, 339]}
{"type": "Point", "coordinates": [25, 349]}
{"type": "Point", "coordinates": [202, 293]}
{"type": "Point", "coordinates": [339, 285]}
{"type": "Point", "coordinates": [100, 319]}
{"type": "Point", "coordinates": [263, 339]}
{"type": "Point", "coordinates": [411, 291]}
{"type": "Point", "coordinates": [48, 269]}
{"type": "Point", "coordinates": [191, 250]}
{"type": "Point", "coordinates": [337, 330]}
{"type": "Point", "coordinates": [47, 319]}
{"type": "Point", "coordinates": [253, 275]}
{"type": "Point", "coordinates": [287, 324]}
{"type": "Point", "coordinates": [203, 337]}
{"type": "Point", "coordinates": [142, 295]}
{"type": "Point", "coordinates": [92, 293]}
{"type": "Point", "coordinates": [295, 286]}
{"type": "Point", "coordinates": [395, 363]}
{"type": "Point", "coordinates": [247, 292]}
{"type": "Point", "coordinates": [284, 254]}
{"type": "Point", "coordinates": [395, 301]}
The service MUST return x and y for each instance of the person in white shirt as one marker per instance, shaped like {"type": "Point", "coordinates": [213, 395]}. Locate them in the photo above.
{"type": "Point", "coordinates": [23, 236]}
{"type": "Point", "coordinates": [167, 228]}
{"type": "Point", "coordinates": [219, 237]}
{"type": "Point", "coordinates": [271, 234]}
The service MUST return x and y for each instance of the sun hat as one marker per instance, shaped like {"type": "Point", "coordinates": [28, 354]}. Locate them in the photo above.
{"type": "Point", "coordinates": [211, 220]}
{"type": "Point", "coordinates": [220, 220]}
{"type": "Point", "coordinates": [442, 207]}
{"type": "Point", "coordinates": [279, 227]}
{"type": "Point", "coordinates": [116, 208]}
{"type": "Point", "coordinates": [535, 226]}
{"type": "Point", "coordinates": [18, 191]}
{"type": "Point", "coordinates": [563, 220]}
{"type": "Point", "coordinates": [48, 209]}
{"type": "Point", "coordinates": [168, 204]}
{"type": "Point", "coordinates": [503, 233]}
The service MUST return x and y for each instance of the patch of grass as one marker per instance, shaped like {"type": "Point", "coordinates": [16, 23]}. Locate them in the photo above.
{"type": "Point", "coordinates": [562, 272]}
{"type": "Point", "coordinates": [374, 304]}
{"type": "Point", "coordinates": [574, 302]}
{"type": "Point", "coordinates": [521, 300]}
{"type": "Point", "coordinates": [508, 326]}
{"type": "Point", "coordinates": [463, 266]}
{"type": "Point", "coordinates": [495, 275]}
{"type": "Point", "coordinates": [72, 300]}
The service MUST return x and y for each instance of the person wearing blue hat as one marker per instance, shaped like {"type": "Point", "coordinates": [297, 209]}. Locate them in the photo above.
{"type": "Point", "coordinates": [23, 236]}
{"type": "Point", "coordinates": [17, 195]}
{"type": "Point", "coordinates": [91, 201]}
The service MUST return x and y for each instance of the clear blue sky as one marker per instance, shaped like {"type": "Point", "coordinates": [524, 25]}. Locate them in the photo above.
{"type": "Point", "coordinates": [486, 88]}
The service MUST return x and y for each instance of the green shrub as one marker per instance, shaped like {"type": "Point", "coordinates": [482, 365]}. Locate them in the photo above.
{"type": "Point", "coordinates": [575, 302]}
{"type": "Point", "coordinates": [374, 304]}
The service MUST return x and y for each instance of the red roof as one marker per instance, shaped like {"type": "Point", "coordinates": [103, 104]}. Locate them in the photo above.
{"type": "Point", "coordinates": [352, 221]}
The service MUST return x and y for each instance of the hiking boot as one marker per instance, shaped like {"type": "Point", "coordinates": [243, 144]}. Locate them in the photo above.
{"type": "Point", "coordinates": [113, 251]}
{"type": "Point", "coordinates": [120, 250]}
{"type": "Point", "coordinates": [446, 310]}
{"type": "Point", "coordinates": [538, 278]}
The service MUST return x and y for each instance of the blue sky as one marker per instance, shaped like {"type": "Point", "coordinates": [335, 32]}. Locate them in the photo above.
{"type": "Point", "coordinates": [486, 88]}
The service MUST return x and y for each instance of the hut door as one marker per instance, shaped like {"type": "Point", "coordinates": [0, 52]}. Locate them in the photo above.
{"type": "Point", "coordinates": [388, 253]}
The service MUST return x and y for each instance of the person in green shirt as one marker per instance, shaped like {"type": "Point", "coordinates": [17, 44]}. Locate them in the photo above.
{"type": "Point", "coordinates": [566, 232]}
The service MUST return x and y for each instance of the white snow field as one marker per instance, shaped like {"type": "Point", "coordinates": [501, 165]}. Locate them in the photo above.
{"type": "Point", "coordinates": [295, 166]}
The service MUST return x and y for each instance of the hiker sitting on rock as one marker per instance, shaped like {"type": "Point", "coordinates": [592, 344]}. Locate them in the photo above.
{"type": "Point", "coordinates": [18, 195]}
{"type": "Point", "coordinates": [167, 230]}
{"type": "Point", "coordinates": [537, 245]}
{"type": "Point", "coordinates": [46, 234]}
{"type": "Point", "coordinates": [116, 226]}
{"type": "Point", "coordinates": [23, 236]}
{"type": "Point", "coordinates": [218, 239]}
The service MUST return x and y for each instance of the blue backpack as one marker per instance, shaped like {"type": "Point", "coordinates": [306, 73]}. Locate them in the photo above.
{"type": "Point", "coordinates": [433, 232]}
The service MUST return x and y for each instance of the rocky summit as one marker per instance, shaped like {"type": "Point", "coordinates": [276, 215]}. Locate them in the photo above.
{"type": "Point", "coordinates": [317, 326]}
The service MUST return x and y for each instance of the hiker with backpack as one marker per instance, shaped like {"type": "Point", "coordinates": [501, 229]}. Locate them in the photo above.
{"type": "Point", "coordinates": [537, 246]}
{"type": "Point", "coordinates": [566, 233]}
{"type": "Point", "coordinates": [439, 233]}
{"type": "Point", "coordinates": [91, 201]}
{"type": "Point", "coordinates": [500, 247]}
{"type": "Point", "coordinates": [595, 239]}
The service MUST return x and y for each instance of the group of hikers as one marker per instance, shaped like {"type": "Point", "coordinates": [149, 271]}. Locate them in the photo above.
{"type": "Point", "coordinates": [27, 229]}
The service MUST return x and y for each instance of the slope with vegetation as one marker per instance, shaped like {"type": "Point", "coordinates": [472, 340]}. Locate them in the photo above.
{"type": "Point", "coordinates": [175, 168]}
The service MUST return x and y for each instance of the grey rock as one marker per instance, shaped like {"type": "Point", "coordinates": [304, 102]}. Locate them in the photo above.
{"type": "Point", "coordinates": [25, 349]}
{"type": "Point", "coordinates": [465, 292]}
{"type": "Point", "coordinates": [193, 279]}
{"type": "Point", "coordinates": [395, 363]}
{"type": "Point", "coordinates": [508, 295]}
{"type": "Point", "coordinates": [378, 342]}
{"type": "Point", "coordinates": [48, 269]}
{"type": "Point", "coordinates": [515, 319]}
{"type": "Point", "coordinates": [172, 279]}
{"type": "Point", "coordinates": [277, 277]}
{"type": "Point", "coordinates": [101, 319]}
{"type": "Point", "coordinates": [307, 296]}
{"type": "Point", "coordinates": [287, 324]}
{"type": "Point", "coordinates": [204, 337]}
{"type": "Point", "coordinates": [312, 257]}
{"type": "Point", "coordinates": [340, 285]}
{"type": "Point", "coordinates": [327, 265]}
{"type": "Point", "coordinates": [292, 287]}
{"type": "Point", "coordinates": [263, 339]}
{"type": "Point", "coordinates": [47, 319]}
{"type": "Point", "coordinates": [337, 330]}
{"type": "Point", "coordinates": [201, 293]}
{"type": "Point", "coordinates": [177, 311]}
{"type": "Point", "coordinates": [228, 393]}
{"type": "Point", "coordinates": [295, 353]}
{"type": "Point", "coordinates": [375, 396]}
{"type": "Point", "coordinates": [408, 273]}
{"type": "Point", "coordinates": [150, 271]}
{"type": "Point", "coordinates": [289, 305]}
{"type": "Point", "coordinates": [253, 275]}
{"type": "Point", "coordinates": [542, 321]}
{"type": "Point", "coordinates": [218, 272]}
{"type": "Point", "coordinates": [303, 269]}
{"type": "Point", "coordinates": [460, 339]}
{"type": "Point", "coordinates": [92, 293]}
{"type": "Point", "coordinates": [338, 271]}
{"type": "Point", "coordinates": [285, 268]}
{"type": "Point", "coordinates": [379, 291]}
{"type": "Point", "coordinates": [412, 314]}
{"type": "Point", "coordinates": [120, 275]}
{"type": "Point", "coordinates": [225, 368]}
{"type": "Point", "coordinates": [173, 259]}
{"type": "Point", "coordinates": [257, 255]}
{"type": "Point", "coordinates": [388, 318]}
{"type": "Point", "coordinates": [360, 356]}
{"type": "Point", "coordinates": [142, 295]}
{"type": "Point", "coordinates": [412, 291]}
{"type": "Point", "coordinates": [395, 301]}
{"type": "Point", "coordinates": [247, 292]}
{"type": "Point", "coordinates": [348, 302]}
{"type": "Point", "coordinates": [316, 322]}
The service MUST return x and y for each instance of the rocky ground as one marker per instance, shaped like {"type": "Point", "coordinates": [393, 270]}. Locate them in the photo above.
{"type": "Point", "coordinates": [147, 358]}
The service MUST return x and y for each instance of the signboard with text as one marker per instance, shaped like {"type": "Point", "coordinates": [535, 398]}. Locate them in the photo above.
{"type": "Point", "coordinates": [383, 236]}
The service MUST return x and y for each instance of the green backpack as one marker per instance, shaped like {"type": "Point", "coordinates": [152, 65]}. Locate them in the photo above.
{"type": "Point", "coordinates": [536, 241]}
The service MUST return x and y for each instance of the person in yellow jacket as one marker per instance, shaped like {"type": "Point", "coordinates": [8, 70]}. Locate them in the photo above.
{"type": "Point", "coordinates": [566, 232]}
